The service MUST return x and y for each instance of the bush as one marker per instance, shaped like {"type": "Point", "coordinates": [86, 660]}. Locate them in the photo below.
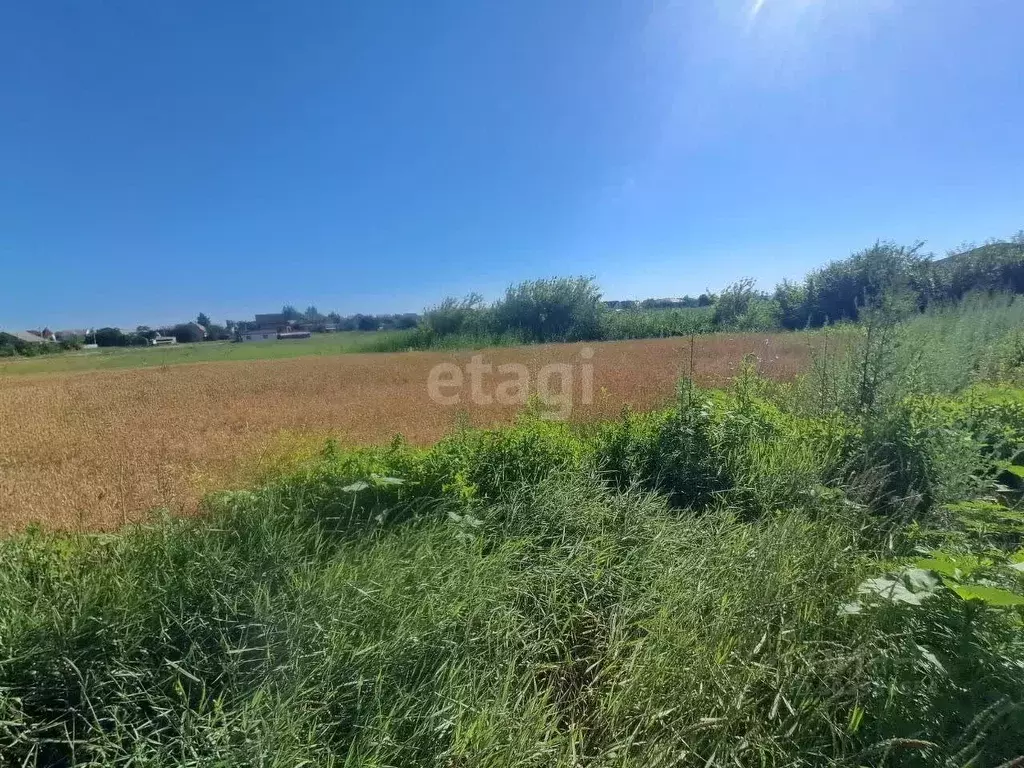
{"type": "Point", "coordinates": [655, 323]}
{"type": "Point", "coordinates": [110, 337]}
{"type": "Point", "coordinates": [558, 309]}
{"type": "Point", "coordinates": [12, 346]}
{"type": "Point", "coordinates": [187, 333]}
{"type": "Point", "coordinates": [741, 308]}
{"type": "Point", "coordinates": [454, 317]}
{"type": "Point", "coordinates": [672, 452]}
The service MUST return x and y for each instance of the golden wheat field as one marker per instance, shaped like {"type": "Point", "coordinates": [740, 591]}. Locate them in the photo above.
{"type": "Point", "coordinates": [94, 450]}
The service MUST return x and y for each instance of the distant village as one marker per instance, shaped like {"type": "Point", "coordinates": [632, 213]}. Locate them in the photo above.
{"type": "Point", "coordinates": [289, 324]}
{"type": "Point", "coordinates": [286, 325]}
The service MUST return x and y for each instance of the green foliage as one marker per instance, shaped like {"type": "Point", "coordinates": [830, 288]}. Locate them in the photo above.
{"type": "Point", "coordinates": [655, 323]}
{"type": "Point", "coordinates": [993, 267]}
{"type": "Point", "coordinates": [978, 339]}
{"type": "Point", "coordinates": [911, 457]}
{"type": "Point", "coordinates": [846, 290]}
{"type": "Point", "coordinates": [742, 308]}
{"type": "Point", "coordinates": [187, 333]}
{"type": "Point", "coordinates": [110, 337]}
{"type": "Point", "coordinates": [840, 290]}
{"type": "Point", "coordinates": [335, 615]}
{"type": "Point", "coordinates": [454, 317]}
{"type": "Point", "coordinates": [557, 309]}
{"type": "Point", "coordinates": [791, 299]}
{"type": "Point", "coordinates": [11, 346]}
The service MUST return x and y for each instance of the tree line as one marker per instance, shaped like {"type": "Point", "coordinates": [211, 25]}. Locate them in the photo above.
{"type": "Point", "coordinates": [571, 308]}
{"type": "Point", "coordinates": [315, 320]}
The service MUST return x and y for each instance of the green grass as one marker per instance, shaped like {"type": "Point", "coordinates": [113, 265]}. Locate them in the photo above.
{"type": "Point", "coordinates": [209, 351]}
{"type": "Point", "coordinates": [665, 589]}
{"type": "Point", "coordinates": [656, 323]}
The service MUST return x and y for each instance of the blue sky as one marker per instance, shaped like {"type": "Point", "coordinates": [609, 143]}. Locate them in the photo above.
{"type": "Point", "coordinates": [161, 159]}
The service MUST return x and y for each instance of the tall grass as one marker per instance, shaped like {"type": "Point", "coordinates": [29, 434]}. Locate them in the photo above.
{"type": "Point", "coordinates": [560, 625]}
{"type": "Point", "coordinates": [666, 589]}
{"type": "Point", "coordinates": [656, 323]}
{"type": "Point", "coordinates": [951, 347]}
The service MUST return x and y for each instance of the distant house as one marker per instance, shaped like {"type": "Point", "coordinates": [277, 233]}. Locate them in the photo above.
{"type": "Point", "coordinates": [29, 337]}
{"type": "Point", "coordinates": [294, 335]}
{"type": "Point", "coordinates": [258, 334]}
{"type": "Point", "coordinates": [275, 322]}
{"type": "Point", "coordinates": [162, 341]}
{"type": "Point", "coordinates": [269, 327]}
{"type": "Point", "coordinates": [70, 334]}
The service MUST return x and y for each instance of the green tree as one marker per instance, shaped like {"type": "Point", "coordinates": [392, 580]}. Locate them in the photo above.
{"type": "Point", "coordinates": [406, 321]}
{"type": "Point", "coordinates": [110, 337]}
{"type": "Point", "coordinates": [838, 291]}
{"type": "Point", "coordinates": [204, 320]}
{"type": "Point", "coordinates": [366, 323]}
{"type": "Point", "coordinates": [186, 333]}
{"type": "Point", "coordinates": [734, 302]}
{"type": "Point", "coordinates": [791, 299]}
{"type": "Point", "coordinates": [216, 332]}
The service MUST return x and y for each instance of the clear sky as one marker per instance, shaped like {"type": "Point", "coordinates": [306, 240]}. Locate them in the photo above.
{"type": "Point", "coordinates": [158, 159]}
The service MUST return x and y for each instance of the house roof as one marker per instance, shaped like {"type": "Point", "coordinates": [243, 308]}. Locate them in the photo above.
{"type": "Point", "coordinates": [272, 319]}
{"type": "Point", "coordinates": [24, 336]}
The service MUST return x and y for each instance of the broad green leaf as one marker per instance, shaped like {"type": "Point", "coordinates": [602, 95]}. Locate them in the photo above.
{"type": "Point", "coordinates": [382, 480]}
{"type": "Point", "coordinates": [990, 595]}
{"type": "Point", "coordinates": [931, 658]}
{"type": "Point", "coordinates": [906, 588]}
{"type": "Point", "coordinates": [945, 567]}
{"type": "Point", "coordinates": [976, 506]}
{"type": "Point", "coordinates": [920, 580]}
{"type": "Point", "coordinates": [851, 608]}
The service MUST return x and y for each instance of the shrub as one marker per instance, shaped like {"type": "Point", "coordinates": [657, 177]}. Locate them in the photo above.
{"type": "Point", "coordinates": [453, 317]}
{"type": "Point", "coordinates": [187, 333]}
{"type": "Point", "coordinates": [109, 337]}
{"type": "Point", "coordinates": [655, 323]}
{"type": "Point", "coordinates": [558, 309]}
